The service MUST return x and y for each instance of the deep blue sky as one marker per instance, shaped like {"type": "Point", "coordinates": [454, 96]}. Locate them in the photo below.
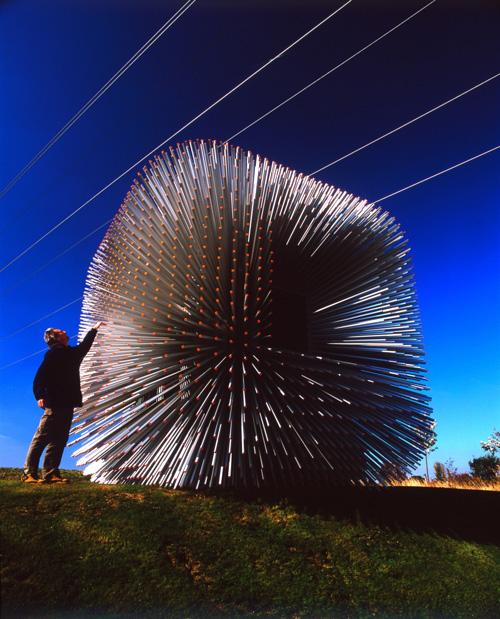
{"type": "Point", "coordinates": [56, 54]}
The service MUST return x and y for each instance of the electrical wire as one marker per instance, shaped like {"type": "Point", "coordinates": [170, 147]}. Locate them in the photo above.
{"type": "Point", "coordinates": [98, 95]}
{"type": "Point", "coordinates": [134, 166]}
{"type": "Point", "coordinates": [33, 354]}
{"type": "Point", "coordinates": [56, 258]}
{"type": "Point", "coordinates": [486, 152]}
{"type": "Point", "coordinates": [406, 124]}
{"type": "Point", "coordinates": [375, 202]}
{"type": "Point", "coordinates": [202, 52]}
{"type": "Point", "coordinates": [40, 319]}
{"type": "Point", "coordinates": [329, 72]}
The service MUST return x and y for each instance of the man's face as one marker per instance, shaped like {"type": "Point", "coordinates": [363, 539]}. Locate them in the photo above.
{"type": "Point", "coordinates": [60, 337]}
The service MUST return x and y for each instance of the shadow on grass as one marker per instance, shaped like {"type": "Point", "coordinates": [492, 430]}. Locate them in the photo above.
{"type": "Point", "coordinates": [467, 515]}
{"type": "Point", "coordinates": [462, 514]}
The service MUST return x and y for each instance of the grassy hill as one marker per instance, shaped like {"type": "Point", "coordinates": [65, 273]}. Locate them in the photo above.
{"type": "Point", "coordinates": [83, 550]}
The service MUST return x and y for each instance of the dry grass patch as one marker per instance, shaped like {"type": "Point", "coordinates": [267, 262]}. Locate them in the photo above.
{"type": "Point", "coordinates": [471, 483]}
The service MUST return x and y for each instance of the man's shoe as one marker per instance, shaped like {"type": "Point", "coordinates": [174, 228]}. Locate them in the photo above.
{"type": "Point", "coordinates": [28, 478]}
{"type": "Point", "coordinates": [55, 479]}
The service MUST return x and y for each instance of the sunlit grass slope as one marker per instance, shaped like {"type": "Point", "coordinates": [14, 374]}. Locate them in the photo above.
{"type": "Point", "coordinates": [83, 550]}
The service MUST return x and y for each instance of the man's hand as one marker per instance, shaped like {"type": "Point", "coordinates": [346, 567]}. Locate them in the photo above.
{"type": "Point", "coordinates": [41, 403]}
{"type": "Point", "coordinates": [98, 324]}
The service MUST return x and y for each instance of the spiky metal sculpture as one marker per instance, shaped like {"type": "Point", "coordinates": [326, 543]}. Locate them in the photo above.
{"type": "Point", "coordinates": [262, 329]}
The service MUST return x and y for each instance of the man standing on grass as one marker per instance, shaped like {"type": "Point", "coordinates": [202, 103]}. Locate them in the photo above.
{"type": "Point", "coordinates": [57, 390]}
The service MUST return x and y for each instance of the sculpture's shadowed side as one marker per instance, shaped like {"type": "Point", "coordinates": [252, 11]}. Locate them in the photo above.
{"type": "Point", "coordinates": [262, 330]}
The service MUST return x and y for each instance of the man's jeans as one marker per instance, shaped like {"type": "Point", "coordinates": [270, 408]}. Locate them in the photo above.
{"type": "Point", "coordinates": [52, 432]}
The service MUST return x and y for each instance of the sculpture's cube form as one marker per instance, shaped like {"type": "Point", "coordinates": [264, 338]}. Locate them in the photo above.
{"type": "Point", "coordinates": [262, 330]}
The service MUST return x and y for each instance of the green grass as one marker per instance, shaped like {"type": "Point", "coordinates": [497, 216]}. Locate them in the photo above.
{"type": "Point", "coordinates": [84, 550]}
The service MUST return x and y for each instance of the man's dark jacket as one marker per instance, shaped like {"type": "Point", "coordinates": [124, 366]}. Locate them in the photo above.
{"type": "Point", "coordinates": [58, 378]}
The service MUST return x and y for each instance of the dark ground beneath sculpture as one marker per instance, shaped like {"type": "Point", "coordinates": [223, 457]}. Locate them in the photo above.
{"type": "Point", "coordinates": [467, 515]}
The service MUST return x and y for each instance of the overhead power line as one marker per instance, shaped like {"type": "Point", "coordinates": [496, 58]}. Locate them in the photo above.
{"type": "Point", "coordinates": [434, 109]}
{"type": "Point", "coordinates": [202, 52]}
{"type": "Point", "coordinates": [56, 258]}
{"type": "Point", "coordinates": [375, 202]}
{"type": "Point", "coordinates": [299, 92]}
{"type": "Point", "coordinates": [33, 354]}
{"type": "Point", "coordinates": [98, 95]}
{"type": "Point", "coordinates": [40, 319]}
{"type": "Point", "coordinates": [486, 152]}
{"type": "Point", "coordinates": [134, 166]}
